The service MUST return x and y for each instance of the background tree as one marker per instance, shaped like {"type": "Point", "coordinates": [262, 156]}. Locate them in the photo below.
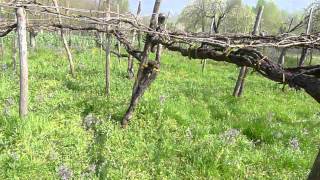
{"type": "Point", "coordinates": [200, 14]}
{"type": "Point", "coordinates": [123, 5]}
{"type": "Point", "coordinates": [220, 10]}
{"type": "Point", "coordinates": [240, 21]}
{"type": "Point", "coordinates": [193, 16]}
{"type": "Point", "coordinates": [272, 18]}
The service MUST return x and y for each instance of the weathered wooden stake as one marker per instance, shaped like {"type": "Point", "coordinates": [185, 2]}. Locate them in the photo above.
{"type": "Point", "coordinates": [204, 62]}
{"type": "Point", "coordinates": [282, 57]}
{"type": "Point", "coordinates": [23, 55]}
{"type": "Point", "coordinates": [238, 90]}
{"type": "Point", "coordinates": [305, 51]}
{"type": "Point", "coordinates": [32, 38]}
{"type": "Point", "coordinates": [130, 69]}
{"type": "Point", "coordinates": [65, 43]}
{"type": "Point", "coordinates": [283, 54]}
{"type": "Point", "coordinates": [212, 31]}
{"type": "Point", "coordinates": [68, 32]}
{"type": "Point", "coordinates": [311, 57]}
{"type": "Point", "coordinates": [108, 50]}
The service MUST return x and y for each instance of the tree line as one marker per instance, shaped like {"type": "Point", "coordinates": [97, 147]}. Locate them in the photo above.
{"type": "Point", "coordinates": [234, 16]}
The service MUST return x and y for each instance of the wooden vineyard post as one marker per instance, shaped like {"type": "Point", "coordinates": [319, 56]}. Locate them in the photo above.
{"type": "Point", "coordinates": [238, 90]}
{"type": "Point", "coordinates": [283, 54]}
{"type": "Point", "coordinates": [304, 52]}
{"type": "Point", "coordinates": [148, 70]}
{"type": "Point", "coordinates": [68, 32]}
{"type": "Point", "coordinates": [65, 43]}
{"type": "Point", "coordinates": [23, 55]}
{"type": "Point", "coordinates": [282, 57]}
{"type": "Point", "coordinates": [108, 49]}
{"type": "Point", "coordinates": [161, 27]}
{"type": "Point", "coordinates": [204, 62]}
{"type": "Point", "coordinates": [311, 57]}
{"type": "Point", "coordinates": [32, 35]}
{"type": "Point", "coordinates": [130, 69]}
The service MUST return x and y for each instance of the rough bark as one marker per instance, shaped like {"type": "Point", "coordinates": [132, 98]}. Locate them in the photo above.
{"type": "Point", "coordinates": [238, 90]}
{"type": "Point", "coordinates": [23, 55]}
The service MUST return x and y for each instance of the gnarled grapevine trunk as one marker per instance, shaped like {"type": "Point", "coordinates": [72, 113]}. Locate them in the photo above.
{"type": "Point", "coordinates": [148, 71]}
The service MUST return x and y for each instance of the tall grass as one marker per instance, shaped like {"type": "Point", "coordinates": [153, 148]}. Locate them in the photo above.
{"type": "Point", "coordinates": [188, 126]}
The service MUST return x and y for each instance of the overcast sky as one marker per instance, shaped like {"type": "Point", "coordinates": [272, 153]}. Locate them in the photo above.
{"type": "Point", "coordinates": [175, 6]}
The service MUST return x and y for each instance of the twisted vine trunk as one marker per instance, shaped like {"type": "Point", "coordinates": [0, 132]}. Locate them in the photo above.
{"type": "Point", "coordinates": [148, 71]}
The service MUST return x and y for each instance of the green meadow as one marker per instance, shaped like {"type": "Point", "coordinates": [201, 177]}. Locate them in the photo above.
{"type": "Point", "coordinates": [187, 125]}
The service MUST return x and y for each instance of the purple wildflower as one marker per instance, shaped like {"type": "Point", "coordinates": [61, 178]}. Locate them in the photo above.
{"type": "Point", "coordinates": [294, 143]}
{"type": "Point", "coordinates": [9, 101]}
{"type": "Point", "coordinates": [89, 121]}
{"type": "Point", "coordinates": [231, 134]}
{"type": "Point", "coordinates": [64, 172]}
{"type": "Point", "coordinates": [162, 99]}
{"type": "Point", "coordinates": [4, 67]}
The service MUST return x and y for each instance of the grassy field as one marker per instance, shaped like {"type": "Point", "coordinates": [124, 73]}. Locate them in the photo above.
{"type": "Point", "coordinates": [188, 126]}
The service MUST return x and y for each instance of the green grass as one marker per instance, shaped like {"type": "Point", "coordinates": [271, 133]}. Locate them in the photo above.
{"type": "Point", "coordinates": [199, 131]}
{"type": "Point", "coordinates": [292, 59]}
